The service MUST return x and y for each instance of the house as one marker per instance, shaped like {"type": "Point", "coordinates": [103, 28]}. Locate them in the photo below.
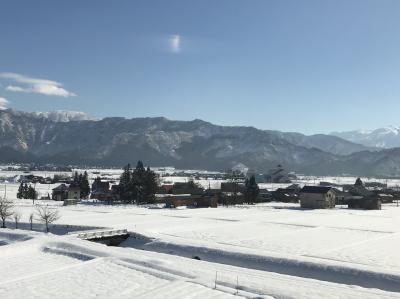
{"type": "Point", "coordinates": [101, 190]}
{"type": "Point", "coordinates": [186, 188]}
{"type": "Point", "coordinates": [317, 197]}
{"type": "Point", "coordinates": [74, 192]}
{"type": "Point", "coordinates": [165, 188]}
{"type": "Point", "coordinates": [260, 177]}
{"type": "Point", "coordinates": [63, 192]}
{"type": "Point", "coordinates": [385, 197]}
{"type": "Point", "coordinates": [229, 198]}
{"type": "Point", "coordinates": [279, 175]}
{"type": "Point", "coordinates": [197, 201]}
{"type": "Point", "coordinates": [364, 202]}
{"type": "Point", "coordinates": [264, 196]}
{"type": "Point", "coordinates": [288, 194]}
{"type": "Point", "coordinates": [30, 178]}
{"type": "Point", "coordinates": [100, 186]}
{"type": "Point", "coordinates": [233, 187]}
{"type": "Point", "coordinates": [60, 192]}
{"type": "Point", "coordinates": [206, 201]}
{"type": "Point", "coordinates": [340, 196]}
{"type": "Point", "coordinates": [102, 196]}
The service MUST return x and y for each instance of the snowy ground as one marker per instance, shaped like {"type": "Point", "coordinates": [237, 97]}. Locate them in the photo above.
{"type": "Point", "coordinates": [268, 250]}
{"type": "Point", "coordinates": [276, 250]}
{"type": "Point", "coordinates": [36, 265]}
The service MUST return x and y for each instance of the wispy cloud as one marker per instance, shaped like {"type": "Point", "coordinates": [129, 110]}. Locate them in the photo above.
{"type": "Point", "coordinates": [174, 43]}
{"type": "Point", "coordinates": [15, 88]}
{"type": "Point", "coordinates": [35, 85]}
{"type": "Point", "coordinates": [3, 103]}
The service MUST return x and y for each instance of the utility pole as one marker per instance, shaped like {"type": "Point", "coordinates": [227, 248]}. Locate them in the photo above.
{"type": "Point", "coordinates": [237, 285]}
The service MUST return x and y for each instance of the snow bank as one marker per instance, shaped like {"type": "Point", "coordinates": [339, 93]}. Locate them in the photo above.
{"type": "Point", "coordinates": [315, 268]}
{"type": "Point", "coordinates": [51, 266]}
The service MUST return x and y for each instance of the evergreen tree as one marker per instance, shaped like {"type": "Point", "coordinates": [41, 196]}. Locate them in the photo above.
{"type": "Point", "coordinates": [20, 191]}
{"type": "Point", "coordinates": [251, 190]}
{"type": "Point", "coordinates": [25, 190]}
{"type": "Point", "coordinates": [125, 177]}
{"type": "Point", "coordinates": [359, 182]}
{"type": "Point", "coordinates": [82, 180]}
{"type": "Point", "coordinates": [138, 185]}
{"type": "Point", "coordinates": [125, 184]}
{"type": "Point", "coordinates": [150, 185]}
{"type": "Point", "coordinates": [31, 193]}
{"type": "Point", "coordinates": [76, 178]}
{"type": "Point", "coordinates": [140, 167]}
{"type": "Point", "coordinates": [84, 185]}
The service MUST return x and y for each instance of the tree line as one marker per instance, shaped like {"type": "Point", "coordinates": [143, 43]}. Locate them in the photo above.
{"type": "Point", "coordinates": [26, 191]}
{"type": "Point", "coordinates": [138, 185]}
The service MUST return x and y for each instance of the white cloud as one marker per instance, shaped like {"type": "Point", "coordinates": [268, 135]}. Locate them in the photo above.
{"type": "Point", "coordinates": [174, 42]}
{"type": "Point", "coordinates": [35, 85]}
{"type": "Point", "coordinates": [15, 88]}
{"type": "Point", "coordinates": [3, 103]}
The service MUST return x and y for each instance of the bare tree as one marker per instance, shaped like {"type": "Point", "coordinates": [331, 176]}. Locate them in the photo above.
{"type": "Point", "coordinates": [47, 215]}
{"type": "Point", "coordinates": [31, 220]}
{"type": "Point", "coordinates": [17, 216]}
{"type": "Point", "coordinates": [6, 210]}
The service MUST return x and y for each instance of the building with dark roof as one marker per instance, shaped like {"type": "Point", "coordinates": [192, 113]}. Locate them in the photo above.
{"type": "Point", "coordinates": [63, 192]}
{"type": "Point", "coordinates": [367, 203]}
{"type": "Point", "coordinates": [288, 194]}
{"type": "Point", "coordinates": [317, 197]}
{"type": "Point", "coordinates": [279, 175]}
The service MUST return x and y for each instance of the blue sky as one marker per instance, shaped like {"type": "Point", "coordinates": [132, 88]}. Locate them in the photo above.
{"type": "Point", "coordinates": [307, 66]}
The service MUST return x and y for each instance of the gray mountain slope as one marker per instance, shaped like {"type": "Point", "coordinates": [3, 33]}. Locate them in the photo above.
{"type": "Point", "coordinates": [158, 141]}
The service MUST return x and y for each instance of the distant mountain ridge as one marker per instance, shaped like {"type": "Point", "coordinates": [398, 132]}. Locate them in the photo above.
{"type": "Point", "coordinates": [64, 115]}
{"type": "Point", "coordinates": [115, 141]}
{"type": "Point", "coordinates": [327, 143]}
{"type": "Point", "coordinates": [387, 137]}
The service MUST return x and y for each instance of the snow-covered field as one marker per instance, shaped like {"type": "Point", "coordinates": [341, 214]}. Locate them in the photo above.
{"type": "Point", "coordinates": [268, 250]}
{"type": "Point", "coordinates": [36, 265]}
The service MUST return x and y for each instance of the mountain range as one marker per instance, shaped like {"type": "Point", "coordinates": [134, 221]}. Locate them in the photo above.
{"type": "Point", "coordinates": [387, 137]}
{"type": "Point", "coordinates": [115, 141]}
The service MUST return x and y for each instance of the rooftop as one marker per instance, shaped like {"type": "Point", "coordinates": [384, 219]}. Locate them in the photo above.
{"type": "Point", "coordinates": [315, 189]}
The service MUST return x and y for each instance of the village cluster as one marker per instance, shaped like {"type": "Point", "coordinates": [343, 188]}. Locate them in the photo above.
{"type": "Point", "coordinates": [235, 188]}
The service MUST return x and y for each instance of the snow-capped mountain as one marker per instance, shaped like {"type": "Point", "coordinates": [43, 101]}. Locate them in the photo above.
{"type": "Point", "coordinates": [54, 116]}
{"type": "Point", "coordinates": [63, 115]}
{"type": "Point", "coordinates": [115, 141]}
{"type": "Point", "coordinates": [387, 137]}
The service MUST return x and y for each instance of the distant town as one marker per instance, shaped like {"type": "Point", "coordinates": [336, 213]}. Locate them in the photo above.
{"type": "Point", "coordinates": [173, 188]}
